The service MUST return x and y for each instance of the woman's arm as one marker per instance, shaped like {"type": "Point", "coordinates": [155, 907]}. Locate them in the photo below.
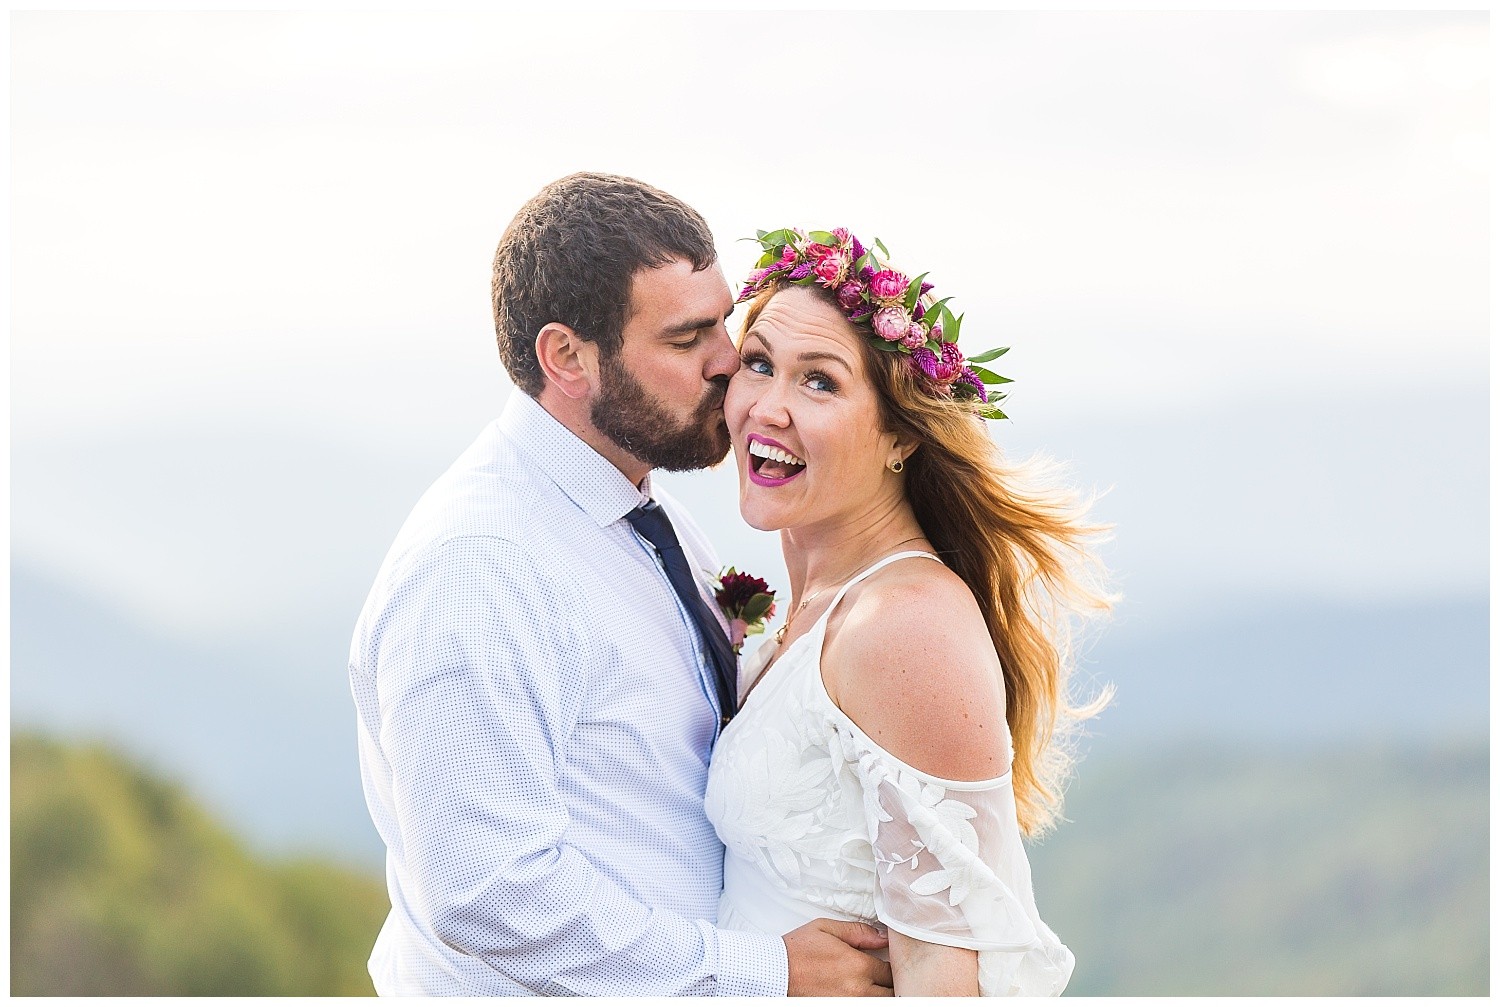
{"type": "Point", "coordinates": [923, 969]}
{"type": "Point", "coordinates": [912, 664]}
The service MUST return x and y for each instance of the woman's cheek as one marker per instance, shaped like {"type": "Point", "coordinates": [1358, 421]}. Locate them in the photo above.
{"type": "Point", "coordinates": [736, 404]}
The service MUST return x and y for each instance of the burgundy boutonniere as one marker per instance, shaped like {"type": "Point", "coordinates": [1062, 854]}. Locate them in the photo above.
{"type": "Point", "coordinates": [747, 603]}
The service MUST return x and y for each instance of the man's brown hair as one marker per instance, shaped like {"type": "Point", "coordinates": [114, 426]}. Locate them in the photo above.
{"type": "Point", "coordinates": [570, 254]}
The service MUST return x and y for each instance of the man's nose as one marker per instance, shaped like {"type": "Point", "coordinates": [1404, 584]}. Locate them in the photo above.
{"type": "Point", "coordinates": [725, 359]}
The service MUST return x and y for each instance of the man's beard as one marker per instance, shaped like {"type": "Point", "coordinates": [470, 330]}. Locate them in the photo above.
{"type": "Point", "coordinates": [637, 421]}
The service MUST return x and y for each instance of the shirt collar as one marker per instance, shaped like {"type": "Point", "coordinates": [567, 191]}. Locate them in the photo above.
{"type": "Point", "coordinates": [587, 478]}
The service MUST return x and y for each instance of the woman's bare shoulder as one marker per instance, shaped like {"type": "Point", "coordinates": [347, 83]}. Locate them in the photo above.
{"type": "Point", "coordinates": [911, 662]}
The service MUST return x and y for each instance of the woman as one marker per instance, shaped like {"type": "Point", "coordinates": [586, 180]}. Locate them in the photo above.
{"type": "Point", "coordinates": [901, 733]}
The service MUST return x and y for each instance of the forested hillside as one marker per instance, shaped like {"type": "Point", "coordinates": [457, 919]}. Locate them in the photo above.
{"type": "Point", "coordinates": [1204, 869]}
{"type": "Point", "coordinates": [121, 885]}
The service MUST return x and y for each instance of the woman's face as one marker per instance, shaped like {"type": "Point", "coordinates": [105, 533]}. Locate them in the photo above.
{"type": "Point", "coordinates": [804, 419]}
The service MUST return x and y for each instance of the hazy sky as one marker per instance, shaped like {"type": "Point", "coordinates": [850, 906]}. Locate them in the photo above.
{"type": "Point", "coordinates": [279, 226]}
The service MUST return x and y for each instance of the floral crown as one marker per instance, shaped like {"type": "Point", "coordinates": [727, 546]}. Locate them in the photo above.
{"type": "Point", "coordinates": [904, 319]}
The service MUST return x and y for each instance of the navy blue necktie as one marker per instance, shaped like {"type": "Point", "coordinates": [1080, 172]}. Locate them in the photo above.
{"type": "Point", "coordinates": [652, 522]}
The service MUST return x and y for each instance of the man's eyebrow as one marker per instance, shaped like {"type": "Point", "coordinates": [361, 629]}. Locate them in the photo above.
{"type": "Point", "coordinates": [693, 325]}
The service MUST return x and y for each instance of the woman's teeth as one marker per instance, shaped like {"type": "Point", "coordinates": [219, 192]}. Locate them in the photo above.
{"type": "Point", "coordinates": [760, 450]}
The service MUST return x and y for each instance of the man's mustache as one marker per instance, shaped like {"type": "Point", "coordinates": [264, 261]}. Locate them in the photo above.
{"type": "Point", "coordinates": [714, 400]}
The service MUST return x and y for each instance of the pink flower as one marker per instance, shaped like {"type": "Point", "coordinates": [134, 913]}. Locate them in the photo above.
{"type": "Point", "coordinates": [888, 286]}
{"type": "Point", "coordinates": [841, 234]}
{"type": "Point", "coordinates": [937, 332]}
{"type": "Point", "coordinates": [832, 268]}
{"type": "Point", "coordinates": [737, 629]}
{"type": "Point", "coordinates": [788, 255]}
{"type": "Point", "coordinates": [915, 336]}
{"type": "Point", "coordinates": [891, 323]}
{"type": "Point", "coordinates": [850, 295]}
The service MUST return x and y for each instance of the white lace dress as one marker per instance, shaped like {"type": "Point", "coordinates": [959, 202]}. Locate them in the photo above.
{"type": "Point", "coordinates": [819, 821]}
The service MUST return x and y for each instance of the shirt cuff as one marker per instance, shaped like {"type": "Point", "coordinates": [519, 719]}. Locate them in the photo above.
{"type": "Point", "coordinates": [749, 964]}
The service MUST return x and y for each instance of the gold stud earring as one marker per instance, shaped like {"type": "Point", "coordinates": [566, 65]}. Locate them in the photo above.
{"type": "Point", "coordinates": [897, 465]}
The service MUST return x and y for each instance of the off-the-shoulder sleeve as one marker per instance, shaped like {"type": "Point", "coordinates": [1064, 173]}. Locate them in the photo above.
{"type": "Point", "coordinates": [950, 869]}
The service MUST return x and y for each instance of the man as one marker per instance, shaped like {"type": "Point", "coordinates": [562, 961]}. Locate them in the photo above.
{"type": "Point", "coordinates": [538, 678]}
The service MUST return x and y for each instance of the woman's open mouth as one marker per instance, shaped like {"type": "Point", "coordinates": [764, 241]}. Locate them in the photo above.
{"type": "Point", "coordinates": [771, 464]}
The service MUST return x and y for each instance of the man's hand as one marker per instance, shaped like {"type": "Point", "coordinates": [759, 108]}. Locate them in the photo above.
{"type": "Point", "coordinates": [828, 958]}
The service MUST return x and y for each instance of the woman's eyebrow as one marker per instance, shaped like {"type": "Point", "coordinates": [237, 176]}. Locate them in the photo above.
{"type": "Point", "coordinates": [824, 355]}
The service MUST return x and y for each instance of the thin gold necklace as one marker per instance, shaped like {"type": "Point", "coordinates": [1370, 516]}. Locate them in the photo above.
{"type": "Point", "coordinates": [781, 633]}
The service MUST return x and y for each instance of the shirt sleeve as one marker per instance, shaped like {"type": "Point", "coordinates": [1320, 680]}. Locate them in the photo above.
{"type": "Point", "coordinates": [477, 694]}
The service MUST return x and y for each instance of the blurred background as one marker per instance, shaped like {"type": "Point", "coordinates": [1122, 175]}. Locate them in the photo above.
{"type": "Point", "coordinates": [1243, 263]}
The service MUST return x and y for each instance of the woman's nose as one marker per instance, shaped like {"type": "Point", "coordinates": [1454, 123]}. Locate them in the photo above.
{"type": "Point", "coordinates": [769, 407]}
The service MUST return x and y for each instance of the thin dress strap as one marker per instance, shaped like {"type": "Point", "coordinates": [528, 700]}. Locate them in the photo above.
{"type": "Point", "coordinates": [879, 564]}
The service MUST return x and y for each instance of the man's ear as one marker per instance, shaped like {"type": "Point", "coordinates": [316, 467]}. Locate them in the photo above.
{"type": "Point", "coordinates": [569, 362]}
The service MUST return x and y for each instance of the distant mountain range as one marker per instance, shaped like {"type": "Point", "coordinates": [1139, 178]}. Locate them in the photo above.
{"type": "Point", "coordinates": [264, 730]}
{"type": "Point", "coordinates": [1283, 670]}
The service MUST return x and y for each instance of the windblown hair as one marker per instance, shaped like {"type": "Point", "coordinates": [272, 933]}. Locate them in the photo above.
{"type": "Point", "coordinates": [570, 255]}
{"type": "Point", "coordinates": [1024, 547]}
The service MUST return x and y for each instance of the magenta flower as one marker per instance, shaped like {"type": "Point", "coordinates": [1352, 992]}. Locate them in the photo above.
{"type": "Point", "coordinates": [850, 295]}
{"type": "Point", "coordinates": [858, 249]}
{"type": "Point", "coordinates": [888, 286]}
{"type": "Point", "coordinates": [924, 361]}
{"type": "Point", "coordinates": [891, 323]}
{"type": "Point", "coordinates": [942, 370]}
{"type": "Point", "coordinates": [802, 272]}
{"type": "Point", "coordinates": [915, 336]}
{"type": "Point", "coordinates": [968, 377]}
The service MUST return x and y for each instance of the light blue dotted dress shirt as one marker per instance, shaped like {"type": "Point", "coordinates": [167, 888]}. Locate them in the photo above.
{"type": "Point", "coordinates": [535, 722]}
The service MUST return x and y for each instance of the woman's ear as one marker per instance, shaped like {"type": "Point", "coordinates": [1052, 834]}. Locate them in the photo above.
{"type": "Point", "coordinates": [569, 362]}
{"type": "Point", "coordinates": [899, 448]}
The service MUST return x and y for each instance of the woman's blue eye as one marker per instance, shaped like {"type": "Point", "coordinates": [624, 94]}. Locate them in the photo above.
{"type": "Point", "coordinates": [760, 365]}
{"type": "Point", "coordinates": [821, 383]}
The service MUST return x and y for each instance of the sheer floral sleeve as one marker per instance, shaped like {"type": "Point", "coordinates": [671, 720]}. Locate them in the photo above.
{"type": "Point", "coordinates": [950, 869]}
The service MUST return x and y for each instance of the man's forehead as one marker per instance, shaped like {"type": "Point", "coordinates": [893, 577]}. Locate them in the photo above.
{"type": "Point", "coordinates": [676, 288]}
